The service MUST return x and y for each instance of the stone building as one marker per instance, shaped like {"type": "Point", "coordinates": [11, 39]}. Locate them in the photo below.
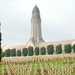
{"type": "Point", "coordinates": [36, 39]}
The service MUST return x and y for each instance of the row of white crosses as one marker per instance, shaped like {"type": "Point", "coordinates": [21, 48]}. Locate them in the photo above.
{"type": "Point", "coordinates": [54, 69]}
{"type": "Point", "coordinates": [35, 69]}
{"type": "Point", "coordinates": [34, 58]}
{"type": "Point", "coordinates": [22, 69]}
{"type": "Point", "coordinates": [48, 69]}
{"type": "Point", "coordinates": [7, 69]}
{"type": "Point", "coordinates": [41, 68]}
{"type": "Point", "coordinates": [29, 69]}
{"type": "Point", "coordinates": [2, 69]}
{"type": "Point", "coordinates": [59, 69]}
{"type": "Point", "coordinates": [18, 69]}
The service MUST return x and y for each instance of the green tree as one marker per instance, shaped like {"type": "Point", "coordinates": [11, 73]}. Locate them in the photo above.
{"type": "Point", "coordinates": [67, 48]}
{"type": "Point", "coordinates": [0, 46]}
{"type": "Point", "coordinates": [30, 51]}
{"type": "Point", "coordinates": [24, 51]}
{"type": "Point", "coordinates": [13, 52]}
{"type": "Point", "coordinates": [43, 51]}
{"type": "Point", "coordinates": [37, 51]}
{"type": "Point", "coordinates": [7, 53]}
{"type": "Point", "coordinates": [3, 54]}
{"type": "Point", "coordinates": [74, 48]}
{"type": "Point", "coordinates": [18, 52]}
{"type": "Point", "coordinates": [59, 49]}
{"type": "Point", "coordinates": [50, 49]}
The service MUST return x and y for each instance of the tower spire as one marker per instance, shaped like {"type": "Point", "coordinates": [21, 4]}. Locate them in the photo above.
{"type": "Point", "coordinates": [36, 34]}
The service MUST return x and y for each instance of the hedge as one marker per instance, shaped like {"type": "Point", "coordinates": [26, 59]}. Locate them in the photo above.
{"type": "Point", "coordinates": [7, 53]}
{"type": "Point", "coordinates": [18, 52]}
{"type": "Point", "coordinates": [24, 51]}
{"type": "Point", "coordinates": [67, 48]}
{"type": "Point", "coordinates": [37, 51]}
{"type": "Point", "coordinates": [74, 48]}
{"type": "Point", "coordinates": [30, 51]}
{"type": "Point", "coordinates": [13, 52]}
{"type": "Point", "coordinates": [43, 51]}
{"type": "Point", "coordinates": [50, 49]}
{"type": "Point", "coordinates": [3, 54]}
{"type": "Point", "coordinates": [59, 49]}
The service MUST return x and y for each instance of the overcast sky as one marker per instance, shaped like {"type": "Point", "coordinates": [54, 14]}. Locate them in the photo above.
{"type": "Point", "coordinates": [58, 20]}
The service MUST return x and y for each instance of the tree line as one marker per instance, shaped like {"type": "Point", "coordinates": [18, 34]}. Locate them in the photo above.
{"type": "Point", "coordinates": [30, 51]}
{"type": "Point", "coordinates": [0, 46]}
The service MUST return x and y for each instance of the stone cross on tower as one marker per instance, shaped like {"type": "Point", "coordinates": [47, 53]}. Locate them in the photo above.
{"type": "Point", "coordinates": [36, 34]}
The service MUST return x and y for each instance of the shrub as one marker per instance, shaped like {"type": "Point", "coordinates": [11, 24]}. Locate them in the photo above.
{"type": "Point", "coordinates": [30, 51]}
{"type": "Point", "coordinates": [3, 54]}
{"type": "Point", "coordinates": [24, 51]}
{"type": "Point", "coordinates": [7, 53]}
{"type": "Point", "coordinates": [59, 49]}
{"type": "Point", "coordinates": [43, 51]}
{"type": "Point", "coordinates": [50, 49]}
{"type": "Point", "coordinates": [13, 52]}
{"type": "Point", "coordinates": [18, 52]}
{"type": "Point", "coordinates": [37, 51]}
{"type": "Point", "coordinates": [74, 48]}
{"type": "Point", "coordinates": [67, 48]}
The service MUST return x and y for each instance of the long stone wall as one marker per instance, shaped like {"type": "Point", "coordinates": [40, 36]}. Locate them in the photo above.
{"type": "Point", "coordinates": [63, 43]}
{"type": "Point", "coordinates": [43, 44]}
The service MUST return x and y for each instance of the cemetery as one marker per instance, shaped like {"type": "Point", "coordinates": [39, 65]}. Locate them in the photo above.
{"type": "Point", "coordinates": [61, 64]}
{"type": "Point", "coordinates": [38, 57]}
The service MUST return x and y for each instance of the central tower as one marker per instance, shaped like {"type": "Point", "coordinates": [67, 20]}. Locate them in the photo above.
{"type": "Point", "coordinates": [36, 34]}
